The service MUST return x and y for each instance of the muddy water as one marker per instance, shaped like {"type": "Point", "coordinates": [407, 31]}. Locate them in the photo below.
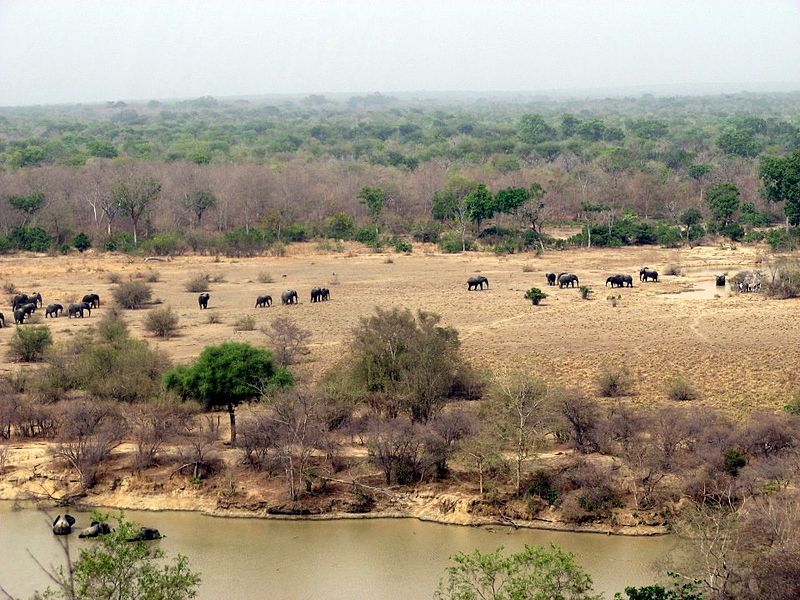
{"type": "Point", "coordinates": [340, 560]}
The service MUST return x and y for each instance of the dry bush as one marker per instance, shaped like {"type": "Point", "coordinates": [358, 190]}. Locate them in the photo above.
{"type": "Point", "coordinates": [161, 322]}
{"type": "Point", "coordinates": [114, 278]}
{"type": "Point", "coordinates": [151, 427]}
{"type": "Point", "coordinates": [527, 269]}
{"type": "Point", "coordinates": [214, 318]}
{"type": "Point", "coordinates": [256, 437]}
{"type": "Point", "coordinates": [216, 278]}
{"type": "Point", "coordinates": [672, 270]}
{"type": "Point", "coordinates": [89, 432]}
{"type": "Point", "coordinates": [388, 260]}
{"type": "Point", "coordinates": [287, 340]}
{"type": "Point", "coordinates": [245, 323]}
{"type": "Point", "coordinates": [10, 288]}
{"type": "Point", "coordinates": [198, 283]}
{"type": "Point", "coordinates": [680, 389]}
{"type": "Point", "coordinates": [132, 294]}
{"type": "Point", "coordinates": [614, 381]}
{"type": "Point", "coordinates": [196, 451]}
{"type": "Point", "coordinates": [264, 277]}
{"type": "Point", "coordinates": [785, 281]}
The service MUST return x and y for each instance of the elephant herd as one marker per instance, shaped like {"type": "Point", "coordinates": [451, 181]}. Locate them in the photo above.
{"type": "Point", "coordinates": [62, 525]}
{"type": "Point", "coordinates": [318, 294]}
{"type": "Point", "coordinates": [24, 305]}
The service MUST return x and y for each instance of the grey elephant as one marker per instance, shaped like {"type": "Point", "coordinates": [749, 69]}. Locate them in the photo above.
{"type": "Point", "coordinates": [263, 301]}
{"type": "Point", "coordinates": [63, 525]}
{"type": "Point", "coordinates": [202, 300]}
{"type": "Point", "coordinates": [720, 280]}
{"type": "Point", "coordinates": [646, 274]}
{"type": "Point", "coordinates": [326, 294]}
{"type": "Point", "coordinates": [2, 320]}
{"type": "Point", "coordinates": [551, 278]}
{"type": "Point", "coordinates": [97, 528]}
{"type": "Point", "coordinates": [478, 280]}
{"type": "Point", "coordinates": [77, 309]}
{"type": "Point", "coordinates": [20, 299]}
{"type": "Point", "coordinates": [627, 280]}
{"type": "Point", "coordinates": [145, 534]}
{"type": "Point", "coordinates": [615, 281]}
{"type": "Point", "coordinates": [92, 299]}
{"type": "Point", "coordinates": [316, 294]}
{"type": "Point", "coordinates": [19, 316]}
{"type": "Point", "coordinates": [567, 280]}
{"type": "Point", "coordinates": [289, 297]}
{"type": "Point", "coordinates": [53, 310]}
{"type": "Point", "coordinates": [28, 309]}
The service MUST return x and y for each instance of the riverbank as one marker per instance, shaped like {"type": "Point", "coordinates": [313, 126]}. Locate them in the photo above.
{"type": "Point", "coordinates": [32, 476]}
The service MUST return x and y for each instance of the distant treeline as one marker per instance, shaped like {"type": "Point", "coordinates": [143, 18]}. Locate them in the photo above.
{"type": "Point", "coordinates": [627, 170]}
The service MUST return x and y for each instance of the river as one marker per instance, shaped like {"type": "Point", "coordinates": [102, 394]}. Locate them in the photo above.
{"type": "Point", "coordinates": [376, 559]}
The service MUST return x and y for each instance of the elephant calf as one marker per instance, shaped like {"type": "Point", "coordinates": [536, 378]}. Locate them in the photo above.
{"type": "Point", "coordinates": [76, 310]}
{"type": "Point", "coordinates": [53, 310]}
{"type": "Point", "coordinates": [263, 301]}
{"type": "Point", "coordinates": [551, 278]}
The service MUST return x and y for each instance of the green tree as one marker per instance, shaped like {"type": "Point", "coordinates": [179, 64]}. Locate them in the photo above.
{"type": "Point", "coordinates": [590, 212]}
{"type": "Point", "coordinates": [480, 205]}
{"type": "Point", "coordinates": [535, 573]}
{"type": "Point", "coordinates": [134, 198]}
{"type": "Point", "coordinates": [533, 129]}
{"type": "Point", "coordinates": [28, 205]}
{"type": "Point", "coordinates": [114, 568]}
{"type": "Point", "coordinates": [82, 242]}
{"type": "Point", "coordinates": [450, 204]}
{"type": "Point", "coordinates": [739, 142]}
{"type": "Point", "coordinates": [781, 180]}
{"type": "Point", "coordinates": [375, 199]}
{"type": "Point", "coordinates": [723, 198]}
{"type": "Point", "coordinates": [198, 202]}
{"type": "Point", "coordinates": [227, 375]}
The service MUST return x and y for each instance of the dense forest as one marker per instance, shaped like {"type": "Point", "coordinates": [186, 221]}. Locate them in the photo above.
{"type": "Point", "coordinates": [179, 174]}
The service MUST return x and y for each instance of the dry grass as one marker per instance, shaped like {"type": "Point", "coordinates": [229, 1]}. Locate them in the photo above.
{"type": "Point", "coordinates": [740, 352]}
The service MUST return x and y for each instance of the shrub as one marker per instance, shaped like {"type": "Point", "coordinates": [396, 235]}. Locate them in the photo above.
{"type": "Point", "coordinates": [34, 239]}
{"type": "Point", "coordinates": [614, 299]}
{"type": "Point", "coordinates": [165, 244]}
{"type": "Point", "coordinates": [5, 245]}
{"type": "Point", "coordinates": [10, 288]}
{"type": "Point", "coordinates": [245, 323]}
{"type": "Point", "coordinates": [241, 242]}
{"type": "Point", "coordinates": [81, 242]}
{"type": "Point", "coordinates": [585, 291]}
{"type": "Point", "coordinates": [785, 283]}
{"type": "Point", "coordinates": [287, 339]}
{"type": "Point", "coordinates": [734, 461]}
{"type": "Point", "coordinates": [535, 295]}
{"type": "Point", "coordinates": [114, 278]}
{"type": "Point", "coordinates": [672, 270]}
{"type": "Point", "coordinates": [450, 243]}
{"type": "Point", "coordinates": [264, 277]}
{"type": "Point", "coordinates": [614, 382]}
{"type": "Point", "coordinates": [339, 226]}
{"type": "Point", "coordinates": [527, 269]}
{"type": "Point", "coordinates": [427, 232]}
{"type": "Point", "coordinates": [779, 240]}
{"type": "Point", "coordinates": [296, 232]}
{"type": "Point", "coordinates": [213, 318]}
{"type": "Point", "coordinates": [732, 230]}
{"type": "Point", "coordinates": [120, 242]}
{"type": "Point", "coordinates": [132, 294]}
{"type": "Point", "coordinates": [28, 344]}
{"type": "Point", "coordinates": [161, 322]}
{"type": "Point", "coordinates": [64, 248]}
{"type": "Point", "coordinates": [366, 235]}
{"type": "Point", "coordinates": [152, 276]}
{"type": "Point", "coordinates": [401, 245]}
{"type": "Point", "coordinates": [198, 283]}
{"type": "Point", "coordinates": [679, 389]}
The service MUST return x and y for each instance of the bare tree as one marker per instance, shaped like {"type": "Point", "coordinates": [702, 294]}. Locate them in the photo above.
{"type": "Point", "coordinates": [287, 340]}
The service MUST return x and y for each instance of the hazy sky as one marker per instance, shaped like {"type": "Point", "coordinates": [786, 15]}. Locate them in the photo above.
{"type": "Point", "coordinates": [84, 50]}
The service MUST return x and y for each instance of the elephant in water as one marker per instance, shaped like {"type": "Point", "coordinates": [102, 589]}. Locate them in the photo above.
{"type": "Point", "coordinates": [474, 282]}
{"type": "Point", "coordinates": [567, 280]}
{"type": "Point", "coordinates": [92, 299]}
{"type": "Point", "coordinates": [145, 534]}
{"type": "Point", "coordinates": [95, 529]}
{"type": "Point", "coordinates": [551, 279]}
{"type": "Point", "coordinates": [63, 525]}
{"type": "Point", "coordinates": [53, 310]}
{"type": "Point", "coordinates": [202, 300]}
{"type": "Point", "coordinates": [720, 280]}
{"type": "Point", "coordinates": [289, 297]}
{"type": "Point", "coordinates": [263, 301]}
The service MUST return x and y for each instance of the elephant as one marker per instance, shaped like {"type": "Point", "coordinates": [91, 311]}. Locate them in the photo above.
{"type": "Point", "coordinates": [92, 299]}
{"type": "Point", "coordinates": [19, 316]}
{"type": "Point", "coordinates": [63, 525]}
{"type": "Point", "coordinates": [478, 280]}
{"type": "Point", "coordinates": [289, 297]}
{"type": "Point", "coordinates": [615, 281]}
{"type": "Point", "coordinates": [53, 310]}
{"type": "Point", "coordinates": [720, 280]}
{"type": "Point", "coordinates": [326, 294]}
{"type": "Point", "coordinates": [2, 320]}
{"type": "Point", "coordinates": [316, 294]}
{"type": "Point", "coordinates": [646, 274]}
{"type": "Point", "coordinates": [202, 300]}
{"type": "Point", "coordinates": [20, 299]}
{"type": "Point", "coordinates": [96, 529]}
{"type": "Point", "coordinates": [263, 301]}
{"type": "Point", "coordinates": [627, 280]}
{"type": "Point", "coordinates": [145, 534]}
{"type": "Point", "coordinates": [551, 279]}
{"type": "Point", "coordinates": [28, 309]}
{"type": "Point", "coordinates": [78, 309]}
{"type": "Point", "coordinates": [567, 280]}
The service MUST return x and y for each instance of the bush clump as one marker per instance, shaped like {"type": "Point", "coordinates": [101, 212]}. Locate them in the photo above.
{"type": "Point", "coordinates": [614, 382]}
{"type": "Point", "coordinates": [535, 295]}
{"type": "Point", "coordinates": [245, 323]}
{"type": "Point", "coordinates": [132, 294]}
{"type": "Point", "coordinates": [28, 344]}
{"type": "Point", "coordinates": [680, 389]}
{"type": "Point", "coordinates": [161, 322]}
{"type": "Point", "coordinates": [198, 283]}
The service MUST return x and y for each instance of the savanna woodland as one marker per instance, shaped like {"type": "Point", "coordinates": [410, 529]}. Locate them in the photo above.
{"type": "Point", "coordinates": [421, 395]}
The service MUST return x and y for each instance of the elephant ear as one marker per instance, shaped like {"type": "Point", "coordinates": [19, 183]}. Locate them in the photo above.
{"type": "Point", "coordinates": [70, 520]}
{"type": "Point", "coordinates": [56, 520]}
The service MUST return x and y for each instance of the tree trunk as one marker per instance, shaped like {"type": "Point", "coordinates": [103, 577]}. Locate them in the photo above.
{"type": "Point", "coordinates": [135, 238]}
{"type": "Point", "coordinates": [787, 223]}
{"type": "Point", "coordinates": [232, 415]}
{"type": "Point", "coordinates": [589, 235]}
